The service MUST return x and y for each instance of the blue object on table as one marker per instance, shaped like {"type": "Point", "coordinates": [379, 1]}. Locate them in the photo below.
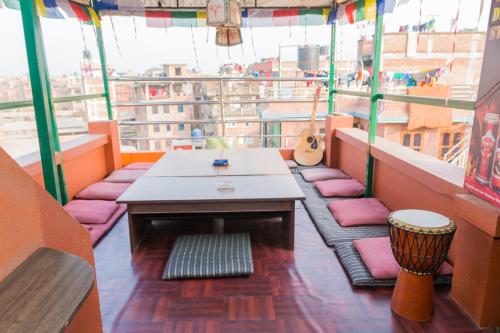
{"type": "Point", "coordinates": [220, 162]}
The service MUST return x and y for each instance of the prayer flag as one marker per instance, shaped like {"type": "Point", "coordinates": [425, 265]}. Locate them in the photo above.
{"type": "Point", "coordinates": [158, 19]}
{"type": "Point", "coordinates": [105, 4]}
{"type": "Point", "coordinates": [311, 17]}
{"type": "Point", "coordinates": [12, 4]}
{"type": "Point", "coordinates": [184, 19]}
{"type": "Point", "coordinates": [260, 17]}
{"type": "Point", "coordinates": [285, 17]}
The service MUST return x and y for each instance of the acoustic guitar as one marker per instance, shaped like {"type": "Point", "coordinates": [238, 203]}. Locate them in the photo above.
{"type": "Point", "coordinates": [308, 151]}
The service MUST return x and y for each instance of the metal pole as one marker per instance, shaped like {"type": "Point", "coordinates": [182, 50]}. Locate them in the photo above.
{"type": "Point", "coordinates": [39, 78]}
{"type": "Point", "coordinates": [332, 68]}
{"type": "Point", "coordinates": [377, 47]}
{"type": "Point", "coordinates": [104, 70]}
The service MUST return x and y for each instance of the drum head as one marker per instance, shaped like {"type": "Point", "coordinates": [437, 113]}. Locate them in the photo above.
{"type": "Point", "coordinates": [421, 219]}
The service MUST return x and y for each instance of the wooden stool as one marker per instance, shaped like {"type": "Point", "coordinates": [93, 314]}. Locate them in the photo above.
{"type": "Point", "coordinates": [420, 241]}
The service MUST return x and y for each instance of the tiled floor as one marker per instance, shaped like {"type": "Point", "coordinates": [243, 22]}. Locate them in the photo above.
{"type": "Point", "coordinates": [302, 291]}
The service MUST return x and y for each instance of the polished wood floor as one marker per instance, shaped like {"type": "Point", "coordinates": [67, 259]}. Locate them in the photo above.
{"type": "Point", "coordinates": [302, 291]}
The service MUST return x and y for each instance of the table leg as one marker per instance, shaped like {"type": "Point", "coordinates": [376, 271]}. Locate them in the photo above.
{"type": "Point", "coordinates": [289, 227]}
{"type": "Point", "coordinates": [138, 228]}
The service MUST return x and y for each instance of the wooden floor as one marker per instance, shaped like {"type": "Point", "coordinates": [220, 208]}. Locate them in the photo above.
{"type": "Point", "coordinates": [302, 291]}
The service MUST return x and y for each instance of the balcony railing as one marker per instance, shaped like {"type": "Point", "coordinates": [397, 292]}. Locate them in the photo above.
{"type": "Point", "coordinates": [216, 106]}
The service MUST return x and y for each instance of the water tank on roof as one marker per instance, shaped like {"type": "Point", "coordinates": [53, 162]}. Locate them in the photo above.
{"type": "Point", "coordinates": [308, 57]}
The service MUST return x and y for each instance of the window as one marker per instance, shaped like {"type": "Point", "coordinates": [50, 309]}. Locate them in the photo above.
{"type": "Point", "coordinates": [178, 71]}
{"type": "Point", "coordinates": [168, 128]}
{"type": "Point", "coordinates": [157, 145]}
{"type": "Point", "coordinates": [180, 108]}
{"type": "Point", "coordinates": [248, 124]}
{"type": "Point", "coordinates": [156, 127]}
{"type": "Point", "coordinates": [450, 140]}
{"type": "Point", "coordinates": [155, 109]}
{"type": "Point", "coordinates": [166, 109]}
{"type": "Point", "coordinates": [231, 125]}
{"type": "Point", "coordinates": [413, 140]}
{"type": "Point", "coordinates": [181, 127]}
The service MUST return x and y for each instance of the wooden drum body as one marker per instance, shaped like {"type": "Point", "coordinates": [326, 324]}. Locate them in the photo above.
{"type": "Point", "coordinates": [420, 242]}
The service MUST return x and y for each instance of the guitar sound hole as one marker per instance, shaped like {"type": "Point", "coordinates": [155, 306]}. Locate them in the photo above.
{"type": "Point", "coordinates": [310, 139]}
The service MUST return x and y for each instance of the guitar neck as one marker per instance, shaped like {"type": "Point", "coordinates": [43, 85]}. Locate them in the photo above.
{"type": "Point", "coordinates": [313, 116]}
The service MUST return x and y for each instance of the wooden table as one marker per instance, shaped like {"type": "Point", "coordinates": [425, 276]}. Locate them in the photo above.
{"type": "Point", "coordinates": [185, 183]}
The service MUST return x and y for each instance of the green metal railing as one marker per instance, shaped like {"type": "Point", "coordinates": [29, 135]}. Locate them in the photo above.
{"type": "Point", "coordinates": [43, 102]}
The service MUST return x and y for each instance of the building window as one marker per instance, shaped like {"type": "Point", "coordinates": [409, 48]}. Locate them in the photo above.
{"type": "Point", "coordinates": [230, 125]}
{"type": "Point", "coordinates": [449, 140]}
{"type": "Point", "coordinates": [178, 71]}
{"type": "Point", "coordinates": [157, 145]}
{"type": "Point", "coordinates": [413, 140]}
{"type": "Point", "coordinates": [180, 108]}
{"type": "Point", "coordinates": [156, 127]}
{"type": "Point", "coordinates": [155, 109]}
{"type": "Point", "coordinates": [166, 109]}
{"type": "Point", "coordinates": [168, 128]}
{"type": "Point", "coordinates": [248, 124]}
{"type": "Point", "coordinates": [181, 127]}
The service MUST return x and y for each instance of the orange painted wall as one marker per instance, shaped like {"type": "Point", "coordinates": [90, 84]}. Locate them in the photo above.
{"type": "Point", "coordinates": [31, 218]}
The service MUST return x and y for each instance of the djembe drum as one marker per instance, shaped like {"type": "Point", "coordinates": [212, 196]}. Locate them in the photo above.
{"type": "Point", "coordinates": [420, 241]}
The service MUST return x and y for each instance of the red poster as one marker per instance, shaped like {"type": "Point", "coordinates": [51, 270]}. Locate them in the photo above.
{"type": "Point", "coordinates": [482, 177]}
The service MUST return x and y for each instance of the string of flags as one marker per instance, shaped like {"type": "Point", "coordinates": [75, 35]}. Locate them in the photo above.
{"type": "Point", "coordinates": [411, 79]}
{"type": "Point", "coordinates": [347, 14]}
{"type": "Point", "coordinates": [427, 26]}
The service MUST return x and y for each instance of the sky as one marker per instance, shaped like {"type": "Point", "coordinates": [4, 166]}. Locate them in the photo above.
{"type": "Point", "coordinates": [141, 47]}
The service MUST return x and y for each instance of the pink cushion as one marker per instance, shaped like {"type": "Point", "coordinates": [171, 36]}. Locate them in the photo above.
{"type": "Point", "coordinates": [103, 191]}
{"type": "Point", "coordinates": [91, 211]}
{"type": "Point", "coordinates": [124, 176]}
{"type": "Point", "coordinates": [291, 164]}
{"type": "Point", "coordinates": [361, 211]}
{"type": "Point", "coordinates": [139, 166]}
{"type": "Point", "coordinates": [377, 255]}
{"type": "Point", "coordinates": [99, 230]}
{"type": "Point", "coordinates": [340, 188]}
{"type": "Point", "coordinates": [317, 174]}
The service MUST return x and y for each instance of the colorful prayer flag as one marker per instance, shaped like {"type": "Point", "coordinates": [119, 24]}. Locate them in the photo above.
{"type": "Point", "coordinates": [158, 19]}
{"type": "Point", "coordinates": [370, 9]}
{"type": "Point", "coordinates": [65, 8]}
{"type": "Point", "coordinates": [183, 19]}
{"type": "Point", "coordinates": [94, 17]}
{"type": "Point", "coordinates": [260, 17]}
{"type": "Point", "coordinates": [105, 4]}
{"type": "Point", "coordinates": [350, 11]}
{"type": "Point", "coordinates": [311, 17]}
{"type": "Point", "coordinates": [285, 17]}
{"type": "Point", "coordinates": [51, 12]}
{"type": "Point", "coordinates": [50, 3]}
{"type": "Point", "coordinates": [201, 18]}
{"type": "Point", "coordinates": [80, 11]}
{"type": "Point", "coordinates": [360, 10]}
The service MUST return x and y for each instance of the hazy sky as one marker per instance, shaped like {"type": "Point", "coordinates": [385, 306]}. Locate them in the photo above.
{"type": "Point", "coordinates": [154, 46]}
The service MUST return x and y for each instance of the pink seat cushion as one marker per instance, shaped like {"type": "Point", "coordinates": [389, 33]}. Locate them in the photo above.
{"type": "Point", "coordinates": [124, 176]}
{"type": "Point", "coordinates": [377, 255]}
{"type": "Point", "coordinates": [317, 174]}
{"type": "Point", "coordinates": [290, 164]}
{"type": "Point", "coordinates": [138, 166]}
{"type": "Point", "coordinates": [91, 211]}
{"type": "Point", "coordinates": [99, 230]}
{"type": "Point", "coordinates": [340, 188]}
{"type": "Point", "coordinates": [86, 226]}
{"type": "Point", "coordinates": [362, 211]}
{"type": "Point", "coordinates": [103, 191]}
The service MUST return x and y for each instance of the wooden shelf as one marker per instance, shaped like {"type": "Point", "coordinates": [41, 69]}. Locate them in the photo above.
{"type": "Point", "coordinates": [44, 292]}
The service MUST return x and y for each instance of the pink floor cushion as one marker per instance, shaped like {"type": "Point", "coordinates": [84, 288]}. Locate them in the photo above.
{"type": "Point", "coordinates": [317, 174]}
{"type": "Point", "coordinates": [103, 191]}
{"type": "Point", "coordinates": [291, 164]}
{"type": "Point", "coordinates": [99, 230]}
{"type": "Point", "coordinates": [362, 211]}
{"type": "Point", "coordinates": [139, 166]}
{"type": "Point", "coordinates": [377, 256]}
{"type": "Point", "coordinates": [86, 226]}
{"type": "Point", "coordinates": [124, 176]}
{"type": "Point", "coordinates": [340, 188]}
{"type": "Point", "coordinates": [91, 211]}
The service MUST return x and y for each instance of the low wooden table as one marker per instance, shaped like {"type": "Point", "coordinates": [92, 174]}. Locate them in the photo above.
{"type": "Point", "coordinates": [185, 183]}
